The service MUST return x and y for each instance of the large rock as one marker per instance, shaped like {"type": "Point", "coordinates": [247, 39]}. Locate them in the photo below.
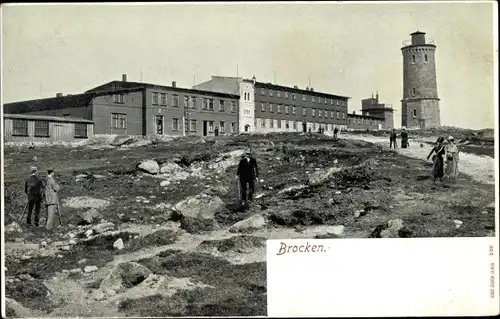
{"type": "Point", "coordinates": [226, 160]}
{"type": "Point", "coordinates": [13, 229]}
{"type": "Point", "coordinates": [196, 213]}
{"type": "Point", "coordinates": [103, 227]}
{"type": "Point", "coordinates": [149, 166]}
{"type": "Point", "coordinates": [125, 275]}
{"type": "Point", "coordinates": [89, 216]}
{"type": "Point", "coordinates": [322, 176]}
{"type": "Point", "coordinates": [15, 309]}
{"type": "Point", "coordinates": [251, 223]}
{"type": "Point", "coordinates": [118, 244]}
{"type": "Point", "coordinates": [325, 231]}
{"type": "Point", "coordinates": [170, 167]}
{"type": "Point", "coordinates": [394, 228]}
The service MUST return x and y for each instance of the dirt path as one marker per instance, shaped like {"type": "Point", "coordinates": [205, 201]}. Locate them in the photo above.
{"type": "Point", "coordinates": [481, 168]}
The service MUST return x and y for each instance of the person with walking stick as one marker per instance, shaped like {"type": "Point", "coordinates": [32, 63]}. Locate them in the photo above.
{"type": "Point", "coordinates": [247, 173]}
{"type": "Point", "coordinates": [51, 199]}
{"type": "Point", "coordinates": [33, 188]}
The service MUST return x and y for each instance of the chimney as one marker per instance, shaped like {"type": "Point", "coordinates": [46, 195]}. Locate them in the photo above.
{"type": "Point", "coordinates": [311, 89]}
{"type": "Point", "coordinates": [124, 77]}
{"type": "Point", "coordinates": [354, 112]}
{"type": "Point", "coordinates": [174, 84]}
{"type": "Point", "coordinates": [295, 86]}
{"type": "Point", "coordinates": [307, 88]}
{"type": "Point", "coordinates": [59, 94]}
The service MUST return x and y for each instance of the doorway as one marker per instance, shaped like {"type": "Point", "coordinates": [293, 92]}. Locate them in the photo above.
{"type": "Point", "coordinates": [247, 128]}
{"type": "Point", "coordinates": [57, 133]}
{"type": "Point", "coordinates": [205, 128]}
{"type": "Point", "coordinates": [159, 124]}
{"type": "Point", "coordinates": [304, 127]}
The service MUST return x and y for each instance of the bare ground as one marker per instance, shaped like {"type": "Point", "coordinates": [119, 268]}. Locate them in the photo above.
{"type": "Point", "coordinates": [209, 271]}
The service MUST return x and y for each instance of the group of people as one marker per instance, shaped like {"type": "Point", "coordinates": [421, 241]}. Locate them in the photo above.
{"type": "Point", "coordinates": [445, 151]}
{"type": "Point", "coordinates": [404, 138]}
{"type": "Point", "coordinates": [38, 192]}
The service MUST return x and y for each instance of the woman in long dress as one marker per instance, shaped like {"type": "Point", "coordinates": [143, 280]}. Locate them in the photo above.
{"type": "Point", "coordinates": [438, 167]}
{"type": "Point", "coordinates": [451, 159]}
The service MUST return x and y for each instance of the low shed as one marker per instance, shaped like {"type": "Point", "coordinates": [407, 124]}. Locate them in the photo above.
{"type": "Point", "coordinates": [43, 128]}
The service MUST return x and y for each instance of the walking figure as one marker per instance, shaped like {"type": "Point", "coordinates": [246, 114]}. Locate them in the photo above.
{"type": "Point", "coordinates": [335, 131]}
{"type": "Point", "coordinates": [51, 199]}
{"type": "Point", "coordinates": [392, 139]}
{"type": "Point", "coordinates": [247, 173]}
{"type": "Point", "coordinates": [404, 138]}
{"type": "Point", "coordinates": [451, 159]}
{"type": "Point", "coordinates": [438, 167]}
{"type": "Point", "coordinates": [33, 187]}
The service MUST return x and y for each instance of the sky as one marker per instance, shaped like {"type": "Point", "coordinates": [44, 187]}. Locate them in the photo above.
{"type": "Point", "coordinates": [346, 49]}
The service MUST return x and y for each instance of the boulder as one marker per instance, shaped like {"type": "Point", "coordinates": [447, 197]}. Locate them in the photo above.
{"type": "Point", "coordinates": [164, 183]}
{"type": "Point", "coordinates": [89, 216]}
{"type": "Point", "coordinates": [251, 223]}
{"type": "Point", "coordinates": [324, 231]}
{"type": "Point", "coordinates": [13, 229]}
{"type": "Point", "coordinates": [292, 189]}
{"type": "Point", "coordinates": [122, 140]}
{"type": "Point", "coordinates": [103, 227]}
{"type": "Point", "coordinates": [202, 206]}
{"type": "Point", "coordinates": [118, 244]}
{"type": "Point", "coordinates": [90, 269]}
{"type": "Point", "coordinates": [392, 229]}
{"type": "Point", "coordinates": [149, 166]}
{"type": "Point", "coordinates": [226, 160]}
{"type": "Point", "coordinates": [16, 310]}
{"type": "Point", "coordinates": [170, 167]}
{"type": "Point", "coordinates": [125, 275]}
{"type": "Point", "coordinates": [322, 176]}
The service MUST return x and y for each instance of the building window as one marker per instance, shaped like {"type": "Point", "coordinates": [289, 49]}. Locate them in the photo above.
{"type": "Point", "coordinates": [155, 98]}
{"type": "Point", "coordinates": [210, 126]}
{"type": "Point", "coordinates": [175, 124]}
{"type": "Point", "coordinates": [271, 92]}
{"type": "Point", "coordinates": [304, 112]}
{"type": "Point", "coordinates": [193, 102]}
{"type": "Point", "coordinates": [286, 109]}
{"type": "Point", "coordinates": [41, 128]}
{"type": "Point", "coordinates": [186, 101]}
{"type": "Point", "coordinates": [118, 98]}
{"type": "Point", "coordinates": [205, 103]}
{"type": "Point", "coordinates": [338, 102]}
{"type": "Point", "coordinates": [279, 123]}
{"type": "Point", "coordinates": [263, 107]}
{"type": "Point", "coordinates": [313, 99]}
{"type": "Point", "coordinates": [414, 113]}
{"type": "Point", "coordinates": [313, 112]}
{"type": "Point", "coordinates": [263, 123]}
{"type": "Point", "coordinates": [118, 120]}
{"type": "Point", "coordinates": [413, 91]}
{"type": "Point", "coordinates": [286, 95]}
{"type": "Point", "coordinates": [294, 125]}
{"type": "Point", "coordinates": [221, 105]}
{"type": "Point", "coordinates": [294, 96]}
{"type": "Point", "coordinates": [294, 109]}
{"type": "Point", "coordinates": [175, 100]}
{"type": "Point", "coordinates": [425, 56]}
{"type": "Point", "coordinates": [262, 92]}
{"type": "Point", "coordinates": [271, 124]}
{"type": "Point", "coordinates": [320, 113]}
{"type": "Point", "coordinates": [326, 100]}
{"type": "Point", "coordinates": [163, 99]}
{"type": "Point", "coordinates": [233, 127]}
{"type": "Point", "coordinates": [304, 97]}
{"type": "Point", "coordinates": [222, 126]}
{"type": "Point", "coordinates": [210, 104]}
{"type": "Point", "coordinates": [343, 115]}
{"type": "Point", "coordinates": [270, 107]}
{"type": "Point", "coordinates": [278, 93]}
{"type": "Point", "coordinates": [413, 59]}
{"type": "Point", "coordinates": [278, 107]}
{"type": "Point", "coordinates": [80, 130]}
{"type": "Point", "coordinates": [319, 99]}
{"type": "Point", "coordinates": [233, 106]}
{"type": "Point", "coordinates": [193, 125]}
{"type": "Point", "coordinates": [338, 115]}
{"type": "Point", "coordinates": [326, 113]}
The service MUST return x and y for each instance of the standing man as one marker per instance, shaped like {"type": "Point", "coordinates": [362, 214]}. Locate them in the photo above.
{"type": "Point", "coordinates": [33, 188]}
{"type": "Point", "coordinates": [392, 139]}
{"type": "Point", "coordinates": [404, 138]}
{"type": "Point", "coordinates": [216, 131]}
{"type": "Point", "coordinates": [51, 198]}
{"type": "Point", "coordinates": [335, 131]}
{"type": "Point", "coordinates": [247, 173]}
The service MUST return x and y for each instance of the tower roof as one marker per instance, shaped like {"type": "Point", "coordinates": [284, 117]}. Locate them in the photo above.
{"type": "Point", "coordinates": [417, 32]}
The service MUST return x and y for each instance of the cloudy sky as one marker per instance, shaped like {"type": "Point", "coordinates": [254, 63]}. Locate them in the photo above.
{"type": "Point", "coordinates": [345, 49]}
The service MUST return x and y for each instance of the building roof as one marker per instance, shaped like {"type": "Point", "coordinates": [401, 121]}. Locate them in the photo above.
{"type": "Point", "coordinates": [54, 103]}
{"type": "Point", "coordinates": [364, 116]}
{"type": "Point", "coordinates": [47, 118]}
{"type": "Point", "coordinates": [135, 85]}
{"type": "Point", "coordinates": [297, 90]}
{"type": "Point", "coordinates": [417, 32]}
{"type": "Point", "coordinates": [389, 109]}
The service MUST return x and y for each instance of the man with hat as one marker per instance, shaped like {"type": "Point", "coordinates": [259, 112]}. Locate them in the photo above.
{"type": "Point", "coordinates": [247, 173]}
{"type": "Point", "coordinates": [51, 198]}
{"type": "Point", "coordinates": [404, 138]}
{"type": "Point", "coordinates": [33, 187]}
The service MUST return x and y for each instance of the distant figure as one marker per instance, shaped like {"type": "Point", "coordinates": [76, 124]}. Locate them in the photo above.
{"type": "Point", "coordinates": [392, 139]}
{"type": "Point", "coordinates": [51, 198]}
{"type": "Point", "coordinates": [216, 131]}
{"type": "Point", "coordinates": [247, 173]}
{"type": "Point", "coordinates": [451, 159]}
{"type": "Point", "coordinates": [309, 129]}
{"type": "Point", "coordinates": [438, 167]}
{"type": "Point", "coordinates": [33, 187]}
{"type": "Point", "coordinates": [404, 138]}
{"type": "Point", "coordinates": [335, 131]}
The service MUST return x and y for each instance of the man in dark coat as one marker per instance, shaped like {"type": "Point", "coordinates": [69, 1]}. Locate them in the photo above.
{"type": "Point", "coordinates": [392, 138]}
{"type": "Point", "coordinates": [335, 131]}
{"type": "Point", "coordinates": [404, 138]}
{"type": "Point", "coordinates": [33, 187]}
{"type": "Point", "coordinates": [247, 173]}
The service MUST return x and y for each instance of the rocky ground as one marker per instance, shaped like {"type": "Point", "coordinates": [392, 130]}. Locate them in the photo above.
{"type": "Point", "coordinates": [152, 228]}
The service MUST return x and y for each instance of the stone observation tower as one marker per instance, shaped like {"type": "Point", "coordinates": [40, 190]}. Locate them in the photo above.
{"type": "Point", "coordinates": [420, 103]}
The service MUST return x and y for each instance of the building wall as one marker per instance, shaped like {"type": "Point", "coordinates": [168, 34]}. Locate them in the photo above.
{"type": "Point", "coordinates": [263, 102]}
{"type": "Point", "coordinates": [178, 113]}
{"type": "Point", "coordinates": [79, 112]}
{"type": "Point", "coordinates": [103, 109]}
{"type": "Point", "coordinates": [247, 107]}
{"type": "Point", "coordinates": [66, 132]}
{"type": "Point", "coordinates": [421, 114]}
{"type": "Point", "coordinates": [360, 123]}
{"type": "Point", "coordinates": [314, 126]}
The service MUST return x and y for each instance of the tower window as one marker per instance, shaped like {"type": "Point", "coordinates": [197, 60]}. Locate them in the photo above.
{"type": "Point", "coordinates": [414, 91]}
{"type": "Point", "coordinates": [414, 113]}
{"type": "Point", "coordinates": [425, 56]}
{"type": "Point", "coordinates": [413, 59]}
